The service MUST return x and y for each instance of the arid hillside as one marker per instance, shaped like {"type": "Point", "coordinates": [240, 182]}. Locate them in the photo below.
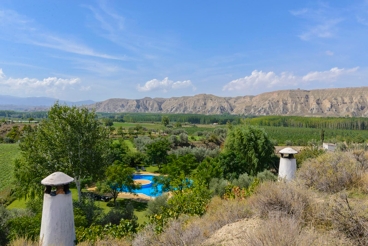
{"type": "Point", "coordinates": [323, 102]}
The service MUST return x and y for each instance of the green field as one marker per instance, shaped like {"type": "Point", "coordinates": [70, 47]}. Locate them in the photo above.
{"type": "Point", "coordinates": [8, 152]}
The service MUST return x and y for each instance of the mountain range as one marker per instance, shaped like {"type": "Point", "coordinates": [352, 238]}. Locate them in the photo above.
{"type": "Point", "coordinates": [322, 102]}
{"type": "Point", "coordinates": [351, 101]}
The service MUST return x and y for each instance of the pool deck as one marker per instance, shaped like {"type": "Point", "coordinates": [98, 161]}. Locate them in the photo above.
{"type": "Point", "coordinates": [142, 173]}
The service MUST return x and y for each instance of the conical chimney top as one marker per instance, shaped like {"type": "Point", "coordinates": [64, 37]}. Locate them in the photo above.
{"type": "Point", "coordinates": [57, 178]}
{"type": "Point", "coordinates": [288, 150]}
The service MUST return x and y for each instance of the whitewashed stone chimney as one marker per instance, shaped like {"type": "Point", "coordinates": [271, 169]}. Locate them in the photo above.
{"type": "Point", "coordinates": [287, 166]}
{"type": "Point", "coordinates": [57, 226]}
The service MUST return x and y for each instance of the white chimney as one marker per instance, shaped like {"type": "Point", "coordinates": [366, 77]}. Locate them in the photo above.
{"type": "Point", "coordinates": [287, 166]}
{"type": "Point", "coordinates": [57, 226]}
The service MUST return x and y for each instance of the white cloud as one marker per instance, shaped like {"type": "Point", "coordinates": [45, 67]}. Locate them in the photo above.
{"type": "Point", "coordinates": [329, 75]}
{"type": "Point", "coordinates": [259, 79]}
{"type": "Point", "coordinates": [51, 85]}
{"type": "Point", "coordinates": [2, 75]}
{"type": "Point", "coordinates": [164, 85]}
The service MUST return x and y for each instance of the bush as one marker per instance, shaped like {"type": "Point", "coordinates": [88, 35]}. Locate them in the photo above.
{"type": "Point", "coordinates": [157, 205]}
{"type": "Point", "coordinates": [266, 176]}
{"type": "Point", "coordinates": [116, 214]}
{"type": "Point", "coordinates": [4, 217]}
{"type": "Point", "coordinates": [350, 220]}
{"type": "Point", "coordinates": [280, 197]}
{"type": "Point", "coordinates": [310, 152]}
{"type": "Point", "coordinates": [280, 230]}
{"type": "Point", "coordinates": [331, 172]}
{"type": "Point", "coordinates": [243, 181]}
{"type": "Point", "coordinates": [194, 230]}
{"type": "Point", "coordinates": [218, 186]}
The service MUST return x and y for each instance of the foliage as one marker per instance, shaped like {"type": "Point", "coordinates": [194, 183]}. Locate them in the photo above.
{"type": "Point", "coordinates": [192, 201]}
{"type": "Point", "coordinates": [118, 178]}
{"type": "Point", "coordinates": [141, 141]}
{"type": "Point", "coordinates": [71, 141]}
{"type": "Point", "coordinates": [266, 175]}
{"type": "Point", "coordinates": [27, 226]}
{"type": "Point", "coordinates": [247, 150]}
{"type": "Point", "coordinates": [95, 232]}
{"type": "Point", "coordinates": [86, 212]}
{"type": "Point", "coordinates": [117, 150]}
{"type": "Point", "coordinates": [8, 152]}
{"type": "Point", "coordinates": [218, 186]}
{"type": "Point", "coordinates": [331, 172]}
{"type": "Point", "coordinates": [134, 159]}
{"type": "Point", "coordinates": [14, 134]}
{"type": "Point", "coordinates": [243, 181]}
{"type": "Point", "coordinates": [200, 153]}
{"type": "Point", "coordinates": [4, 217]}
{"type": "Point", "coordinates": [165, 120]}
{"type": "Point", "coordinates": [306, 153]}
{"type": "Point", "coordinates": [157, 205]}
{"type": "Point", "coordinates": [117, 213]}
{"type": "Point", "coordinates": [157, 152]}
{"type": "Point", "coordinates": [208, 169]}
{"type": "Point", "coordinates": [237, 193]}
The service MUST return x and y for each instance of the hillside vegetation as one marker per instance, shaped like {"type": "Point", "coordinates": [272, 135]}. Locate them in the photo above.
{"type": "Point", "coordinates": [8, 152]}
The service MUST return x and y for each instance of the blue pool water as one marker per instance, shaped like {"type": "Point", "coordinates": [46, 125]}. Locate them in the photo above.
{"type": "Point", "coordinates": [147, 189]}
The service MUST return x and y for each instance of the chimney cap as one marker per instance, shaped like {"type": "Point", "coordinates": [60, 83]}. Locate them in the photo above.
{"type": "Point", "coordinates": [57, 178]}
{"type": "Point", "coordinates": [288, 150]}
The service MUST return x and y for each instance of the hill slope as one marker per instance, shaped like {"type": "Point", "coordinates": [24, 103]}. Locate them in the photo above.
{"type": "Point", "coordinates": [323, 102]}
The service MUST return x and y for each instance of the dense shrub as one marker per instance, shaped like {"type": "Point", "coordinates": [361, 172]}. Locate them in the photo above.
{"type": "Point", "coordinates": [116, 214]}
{"type": "Point", "coordinates": [243, 181]}
{"type": "Point", "coordinates": [331, 172]}
{"type": "Point", "coordinates": [280, 197]}
{"type": "Point", "coordinates": [157, 205]}
{"type": "Point", "coordinates": [200, 153]}
{"type": "Point", "coordinates": [141, 141]}
{"type": "Point", "coordinates": [310, 152]}
{"type": "Point", "coordinates": [218, 186]}
{"type": "Point", "coordinates": [266, 175]}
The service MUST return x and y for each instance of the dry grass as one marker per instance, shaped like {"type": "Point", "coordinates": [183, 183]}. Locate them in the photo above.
{"type": "Point", "coordinates": [194, 230]}
{"type": "Point", "coordinates": [105, 242]}
{"type": "Point", "coordinates": [288, 231]}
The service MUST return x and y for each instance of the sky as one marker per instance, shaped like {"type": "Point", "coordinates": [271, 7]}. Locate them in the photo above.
{"type": "Point", "coordinates": [96, 50]}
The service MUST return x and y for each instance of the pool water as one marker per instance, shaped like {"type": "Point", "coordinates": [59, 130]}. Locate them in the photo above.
{"type": "Point", "coordinates": [147, 189]}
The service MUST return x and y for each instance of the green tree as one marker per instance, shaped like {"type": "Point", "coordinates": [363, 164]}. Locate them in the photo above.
{"type": "Point", "coordinates": [247, 150]}
{"type": "Point", "coordinates": [157, 152]}
{"type": "Point", "coordinates": [165, 120]}
{"type": "Point", "coordinates": [118, 178]}
{"type": "Point", "coordinates": [71, 140]}
{"type": "Point", "coordinates": [108, 122]}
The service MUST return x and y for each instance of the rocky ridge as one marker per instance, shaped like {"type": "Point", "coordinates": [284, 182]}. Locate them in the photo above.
{"type": "Point", "coordinates": [322, 102]}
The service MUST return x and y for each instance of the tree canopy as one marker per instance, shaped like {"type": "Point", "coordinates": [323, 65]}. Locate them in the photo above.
{"type": "Point", "coordinates": [71, 140]}
{"type": "Point", "coordinates": [247, 149]}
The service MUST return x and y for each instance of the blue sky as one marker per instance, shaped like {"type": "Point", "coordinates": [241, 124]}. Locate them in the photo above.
{"type": "Point", "coordinates": [79, 50]}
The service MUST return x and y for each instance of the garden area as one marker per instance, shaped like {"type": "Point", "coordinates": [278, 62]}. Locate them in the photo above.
{"type": "Point", "coordinates": [176, 183]}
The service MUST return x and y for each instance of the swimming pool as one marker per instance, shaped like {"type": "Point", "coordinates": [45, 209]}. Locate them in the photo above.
{"type": "Point", "coordinates": [147, 189]}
